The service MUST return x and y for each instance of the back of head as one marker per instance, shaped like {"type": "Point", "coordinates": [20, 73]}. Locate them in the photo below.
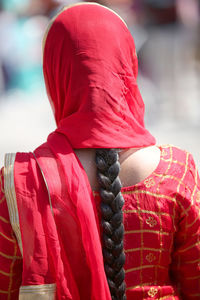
{"type": "Point", "coordinates": [90, 70]}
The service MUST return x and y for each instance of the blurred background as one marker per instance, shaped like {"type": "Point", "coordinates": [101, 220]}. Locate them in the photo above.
{"type": "Point", "coordinates": [167, 37]}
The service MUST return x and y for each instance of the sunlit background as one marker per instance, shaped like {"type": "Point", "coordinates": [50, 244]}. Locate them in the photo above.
{"type": "Point", "coordinates": [167, 37]}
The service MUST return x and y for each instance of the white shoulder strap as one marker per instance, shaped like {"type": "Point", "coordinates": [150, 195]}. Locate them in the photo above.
{"type": "Point", "coordinates": [38, 292]}
{"type": "Point", "coordinates": [10, 194]}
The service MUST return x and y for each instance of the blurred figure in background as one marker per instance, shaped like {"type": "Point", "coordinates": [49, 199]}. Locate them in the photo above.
{"type": "Point", "coordinates": [21, 35]}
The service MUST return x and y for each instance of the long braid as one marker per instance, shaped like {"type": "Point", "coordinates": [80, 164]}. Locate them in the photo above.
{"type": "Point", "coordinates": [108, 166]}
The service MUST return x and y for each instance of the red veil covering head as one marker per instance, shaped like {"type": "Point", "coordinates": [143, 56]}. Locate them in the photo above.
{"type": "Point", "coordinates": [90, 70]}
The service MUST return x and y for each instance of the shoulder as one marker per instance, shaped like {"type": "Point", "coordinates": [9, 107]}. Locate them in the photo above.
{"type": "Point", "coordinates": [179, 160]}
{"type": "Point", "coordinates": [173, 152]}
{"type": "Point", "coordinates": [180, 172]}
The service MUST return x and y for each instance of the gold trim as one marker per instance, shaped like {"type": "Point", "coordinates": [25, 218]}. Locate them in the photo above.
{"type": "Point", "coordinates": [139, 286]}
{"type": "Point", "coordinates": [5, 273]}
{"type": "Point", "coordinates": [10, 194]}
{"type": "Point", "coordinates": [156, 195]}
{"type": "Point", "coordinates": [7, 238]}
{"type": "Point", "coordinates": [38, 292]}
{"type": "Point", "coordinates": [145, 267]}
{"type": "Point", "coordinates": [4, 220]}
{"type": "Point", "coordinates": [6, 292]}
{"type": "Point", "coordinates": [145, 249]}
{"type": "Point", "coordinates": [9, 256]}
{"type": "Point", "coordinates": [148, 231]}
{"type": "Point", "coordinates": [191, 224]}
{"type": "Point", "coordinates": [12, 272]}
{"type": "Point", "coordinates": [149, 212]}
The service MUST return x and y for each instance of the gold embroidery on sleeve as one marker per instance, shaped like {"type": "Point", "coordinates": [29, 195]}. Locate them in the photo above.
{"type": "Point", "coordinates": [7, 238]}
{"type": "Point", "coordinates": [6, 292]}
{"type": "Point", "coordinates": [11, 272]}
{"type": "Point", "coordinates": [144, 267]}
{"type": "Point", "coordinates": [151, 222]}
{"type": "Point", "coordinates": [194, 221]}
{"type": "Point", "coordinates": [152, 292]}
{"type": "Point", "coordinates": [9, 256]}
{"type": "Point", "coordinates": [145, 248]}
{"type": "Point", "coordinates": [173, 161]}
{"type": "Point", "coordinates": [4, 220]}
{"type": "Point", "coordinates": [9, 187]}
{"type": "Point", "coordinates": [190, 247]}
{"type": "Point", "coordinates": [163, 152]}
{"type": "Point", "coordinates": [198, 197]}
{"type": "Point", "coordinates": [160, 234]}
{"type": "Point", "coordinates": [171, 177]}
{"type": "Point", "coordinates": [149, 231]}
{"type": "Point", "coordinates": [138, 286]}
{"type": "Point", "coordinates": [156, 213]}
{"type": "Point", "coordinates": [156, 195]}
{"type": "Point", "coordinates": [150, 257]}
{"type": "Point", "coordinates": [149, 182]}
{"type": "Point", "coordinates": [5, 273]}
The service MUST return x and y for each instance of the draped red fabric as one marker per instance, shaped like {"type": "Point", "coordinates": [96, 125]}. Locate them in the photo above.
{"type": "Point", "coordinates": [62, 247]}
{"type": "Point", "coordinates": [90, 70]}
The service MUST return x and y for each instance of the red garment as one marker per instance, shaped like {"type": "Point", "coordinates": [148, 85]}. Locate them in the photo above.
{"type": "Point", "coordinates": [66, 247]}
{"type": "Point", "coordinates": [162, 230]}
{"type": "Point", "coordinates": [162, 224]}
{"type": "Point", "coordinates": [10, 256]}
{"type": "Point", "coordinates": [90, 68]}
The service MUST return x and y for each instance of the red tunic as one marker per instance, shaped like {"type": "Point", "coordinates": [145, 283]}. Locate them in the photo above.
{"type": "Point", "coordinates": [10, 256]}
{"type": "Point", "coordinates": [162, 224]}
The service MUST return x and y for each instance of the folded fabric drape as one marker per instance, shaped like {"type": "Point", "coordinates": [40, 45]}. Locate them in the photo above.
{"type": "Point", "coordinates": [90, 69]}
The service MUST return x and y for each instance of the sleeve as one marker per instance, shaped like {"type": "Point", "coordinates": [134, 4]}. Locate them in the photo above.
{"type": "Point", "coordinates": [10, 256]}
{"type": "Point", "coordinates": [185, 265]}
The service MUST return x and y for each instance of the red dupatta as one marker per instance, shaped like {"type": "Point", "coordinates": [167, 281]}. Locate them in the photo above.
{"type": "Point", "coordinates": [90, 70]}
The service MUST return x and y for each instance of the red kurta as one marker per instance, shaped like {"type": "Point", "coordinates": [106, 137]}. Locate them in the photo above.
{"type": "Point", "coordinates": [162, 223]}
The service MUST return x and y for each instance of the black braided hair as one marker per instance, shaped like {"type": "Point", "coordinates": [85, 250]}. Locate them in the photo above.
{"type": "Point", "coordinates": [112, 201]}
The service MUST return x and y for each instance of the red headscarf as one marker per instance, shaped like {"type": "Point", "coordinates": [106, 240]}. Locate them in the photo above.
{"type": "Point", "coordinates": [90, 69]}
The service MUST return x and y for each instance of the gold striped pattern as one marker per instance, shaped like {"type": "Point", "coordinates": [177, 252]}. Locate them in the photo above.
{"type": "Point", "coordinates": [38, 292]}
{"type": "Point", "coordinates": [11, 272]}
{"type": "Point", "coordinates": [156, 195]}
{"type": "Point", "coordinates": [148, 231]}
{"type": "Point", "coordinates": [8, 292]}
{"type": "Point", "coordinates": [11, 196]}
{"type": "Point", "coordinates": [8, 259]}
